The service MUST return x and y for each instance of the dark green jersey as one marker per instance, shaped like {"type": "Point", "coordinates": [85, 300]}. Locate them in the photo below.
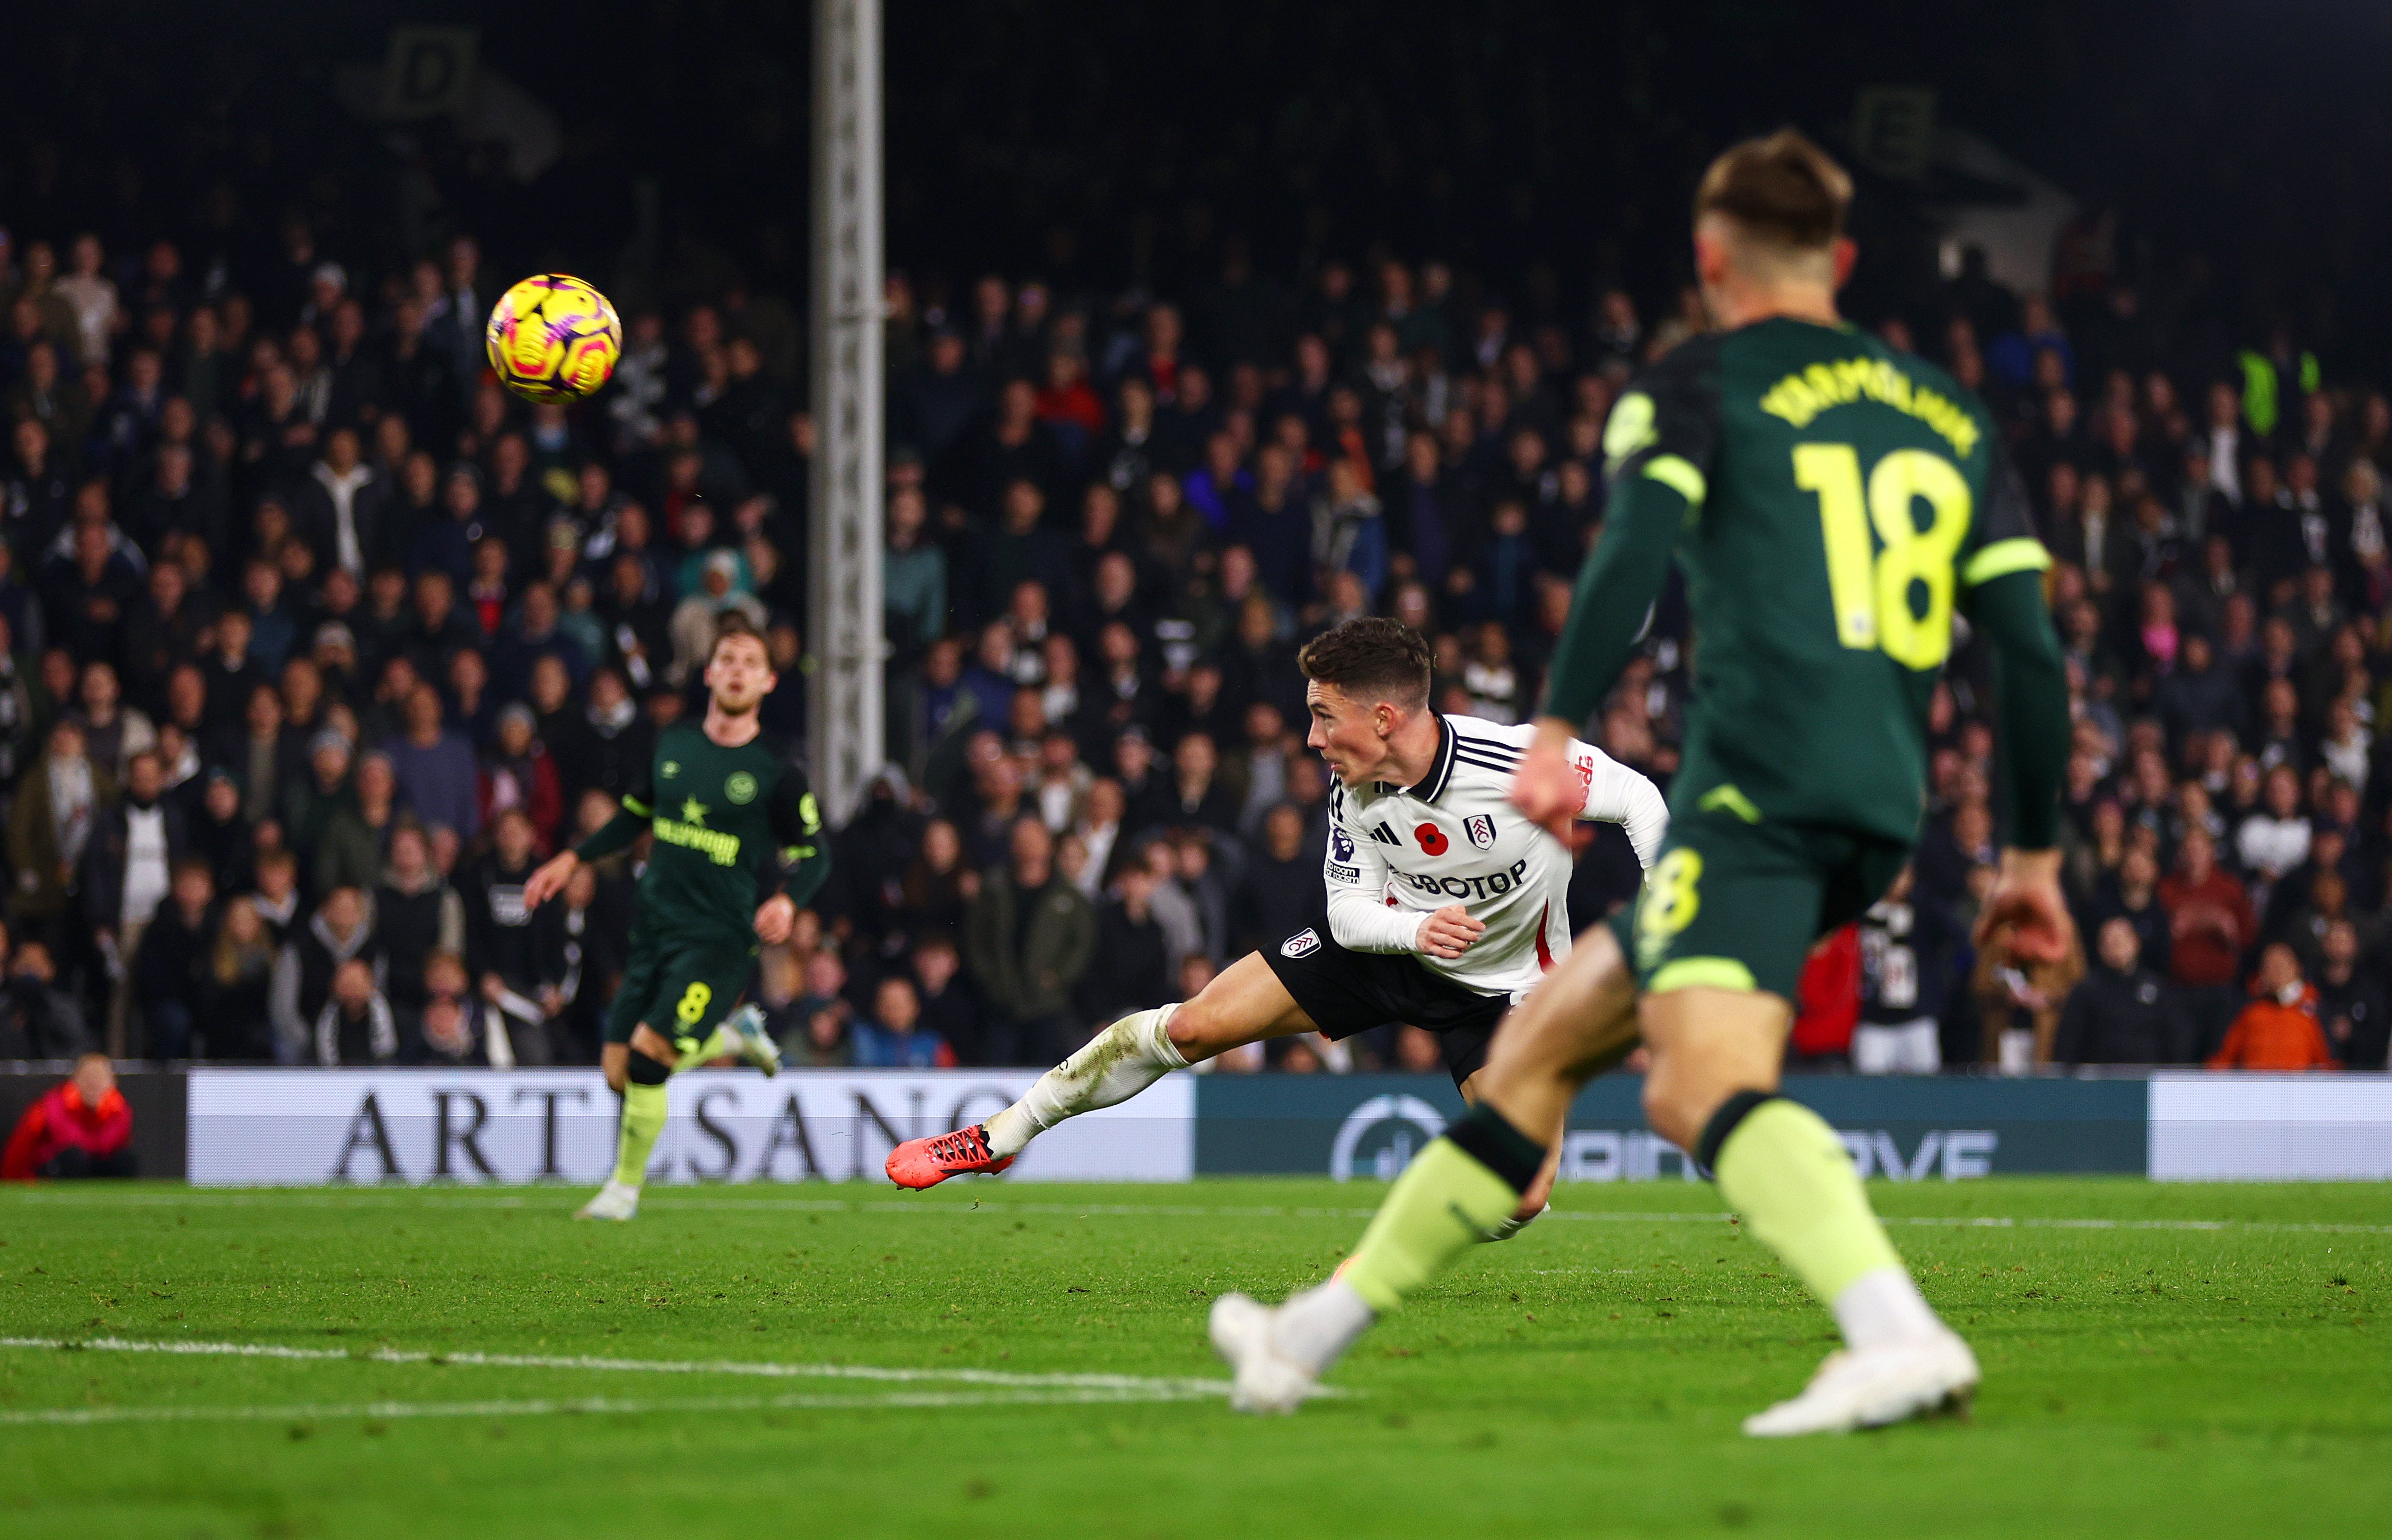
{"type": "Point", "coordinates": [726, 820]}
{"type": "Point", "coordinates": [1830, 500]}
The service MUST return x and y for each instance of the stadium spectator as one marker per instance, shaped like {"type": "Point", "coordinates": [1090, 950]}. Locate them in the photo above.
{"type": "Point", "coordinates": [2210, 922]}
{"type": "Point", "coordinates": [339, 931]}
{"type": "Point", "coordinates": [948, 1009]}
{"type": "Point", "coordinates": [1128, 968]}
{"type": "Point", "coordinates": [417, 915]}
{"type": "Point", "coordinates": [2351, 1003]}
{"type": "Point", "coordinates": [78, 1128]}
{"type": "Point", "coordinates": [1030, 937]}
{"type": "Point", "coordinates": [437, 779]}
{"type": "Point", "coordinates": [893, 1037]}
{"type": "Point", "coordinates": [515, 954]}
{"type": "Point", "coordinates": [356, 1026]}
{"type": "Point", "coordinates": [2123, 1013]}
{"type": "Point", "coordinates": [235, 991]}
{"type": "Point", "coordinates": [170, 960]}
{"type": "Point", "coordinates": [1906, 945]}
{"type": "Point", "coordinates": [2278, 1029]}
{"type": "Point", "coordinates": [58, 805]}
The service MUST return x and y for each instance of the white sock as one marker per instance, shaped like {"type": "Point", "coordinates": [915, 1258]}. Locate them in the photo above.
{"type": "Point", "coordinates": [1882, 1307]}
{"type": "Point", "coordinates": [1316, 1327]}
{"type": "Point", "coordinates": [1116, 1064]}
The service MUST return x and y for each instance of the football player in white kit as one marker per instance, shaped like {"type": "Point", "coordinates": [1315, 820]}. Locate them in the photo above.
{"type": "Point", "coordinates": [1445, 905]}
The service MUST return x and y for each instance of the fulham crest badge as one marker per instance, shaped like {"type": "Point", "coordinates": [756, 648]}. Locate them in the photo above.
{"type": "Point", "coordinates": [1480, 827]}
{"type": "Point", "coordinates": [1300, 944]}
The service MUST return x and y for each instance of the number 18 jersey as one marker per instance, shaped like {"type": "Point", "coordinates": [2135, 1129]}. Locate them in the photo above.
{"type": "Point", "coordinates": [1842, 495]}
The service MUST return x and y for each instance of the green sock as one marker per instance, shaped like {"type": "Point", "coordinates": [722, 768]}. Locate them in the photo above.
{"type": "Point", "coordinates": [723, 1041]}
{"type": "Point", "coordinates": [1785, 1171]}
{"type": "Point", "coordinates": [644, 1119]}
{"type": "Point", "coordinates": [1446, 1203]}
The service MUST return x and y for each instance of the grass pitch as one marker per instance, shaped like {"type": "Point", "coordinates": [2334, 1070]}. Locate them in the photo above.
{"type": "Point", "coordinates": [1008, 1358]}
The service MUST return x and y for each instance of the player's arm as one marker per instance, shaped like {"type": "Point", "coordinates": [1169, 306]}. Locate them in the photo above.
{"type": "Point", "coordinates": [797, 832]}
{"type": "Point", "coordinates": [1614, 794]}
{"type": "Point", "coordinates": [632, 816]}
{"type": "Point", "coordinates": [1656, 451]}
{"type": "Point", "coordinates": [1359, 914]}
{"type": "Point", "coordinates": [2001, 579]}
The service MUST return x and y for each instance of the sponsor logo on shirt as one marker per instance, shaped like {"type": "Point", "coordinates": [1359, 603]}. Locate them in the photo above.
{"type": "Point", "coordinates": [1302, 944]}
{"type": "Point", "coordinates": [1480, 827]}
{"type": "Point", "coordinates": [1492, 884]}
{"type": "Point", "coordinates": [720, 848]}
{"type": "Point", "coordinates": [1352, 875]}
{"type": "Point", "coordinates": [740, 788]}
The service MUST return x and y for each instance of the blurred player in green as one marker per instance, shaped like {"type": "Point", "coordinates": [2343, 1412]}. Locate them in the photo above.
{"type": "Point", "coordinates": [731, 812]}
{"type": "Point", "coordinates": [1833, 504]}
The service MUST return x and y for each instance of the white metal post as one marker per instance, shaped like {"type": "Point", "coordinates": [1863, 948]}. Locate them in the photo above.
{"type": "Point", "coordinates": [849, 641]}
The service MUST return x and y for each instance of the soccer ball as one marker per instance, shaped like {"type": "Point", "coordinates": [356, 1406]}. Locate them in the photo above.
{"type": "Point", "coordinates": [554, 338]}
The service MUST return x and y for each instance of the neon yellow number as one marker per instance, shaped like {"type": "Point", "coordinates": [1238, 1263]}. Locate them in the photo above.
{"type": "Point", "coordinates": [1670, 903]}
{"type": "Point", "coordinates": [1871, 593]}
{"type": "Point", "coordinates": [694, 1003]}
{"type": "Point", "coordinates": [1833, 471]}
{"type": "Point", "coordinates": [1916, 554]}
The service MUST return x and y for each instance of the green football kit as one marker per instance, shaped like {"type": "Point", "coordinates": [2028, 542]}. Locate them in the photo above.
{"type": "Point", "coordinates": [727, 822]}
{"type": "Point", "coordinates": [1832, 503]}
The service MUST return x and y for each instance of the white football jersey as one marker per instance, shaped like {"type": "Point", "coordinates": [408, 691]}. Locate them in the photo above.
{"type": "Point", "coordinates": [1397, 853]}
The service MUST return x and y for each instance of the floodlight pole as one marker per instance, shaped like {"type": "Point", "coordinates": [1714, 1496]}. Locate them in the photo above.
{"type": "Point", "coordinates": [849, 641]}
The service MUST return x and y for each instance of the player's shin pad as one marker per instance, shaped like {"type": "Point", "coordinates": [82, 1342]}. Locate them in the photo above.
{"type": "Point", "coordinates": [1451, 1198]}
{"type": "Point", "coordinates": [1116, 1064]}
{"type": "Point", "coordinates": [643, 1119]}
{"type": "Point", "coordinates": [1784, 1170]}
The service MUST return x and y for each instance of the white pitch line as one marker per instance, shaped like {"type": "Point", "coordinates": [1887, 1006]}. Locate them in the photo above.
{"type": "Point", "coordinates": [895, 1399]}
{"type": "Point", "coordinates": [663, 1202]}
{"type": "Point", "coordinates": [1109, 1383]}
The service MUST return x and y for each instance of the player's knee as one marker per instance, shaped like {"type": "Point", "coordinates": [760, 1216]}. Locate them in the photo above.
{"type": "Point", "coordinates": [615, 1079]}
{"type": "Point", "coordinates": [643, 1070]}
{"type": "Point", "coordinates": [1670, 1107]}
{"type": "Point", "coordinates": [1188, 1027]}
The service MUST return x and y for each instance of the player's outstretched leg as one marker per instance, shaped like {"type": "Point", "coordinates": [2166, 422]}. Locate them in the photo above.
{"type": "Point", "coordinates": [1458, 1192]}
{"type": "Point", "coordinates": [1712, 1090]}
{"type": "Point", "coordinates": [643, 1121]}
{"type": "Point", "coordinates": [1246, 1003]}
{"type": "Point", "coordinates": [1113, 1067]}
{"type": "Point", "coordinates": [743, 1035]}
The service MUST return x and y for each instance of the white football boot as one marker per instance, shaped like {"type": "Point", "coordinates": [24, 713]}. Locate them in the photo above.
{"type": "Point", "coordinates": [614, 1201]}
{"type": "Point", "coordinates": [1872, 1387]}
{"type": "Point", "coordinates": [1267, 1381]}
{"type": "Point", "coordinates": [756, 1045]}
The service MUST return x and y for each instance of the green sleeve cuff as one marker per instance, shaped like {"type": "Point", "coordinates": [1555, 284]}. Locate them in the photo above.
{"type": "Point", "coordinates": [2002, 557]}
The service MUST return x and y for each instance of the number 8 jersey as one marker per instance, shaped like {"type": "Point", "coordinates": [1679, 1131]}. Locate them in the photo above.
{"type": "Point", "coordinates": [1399, 853]}
{"type": "Point", "coordinates": [1842, 496]}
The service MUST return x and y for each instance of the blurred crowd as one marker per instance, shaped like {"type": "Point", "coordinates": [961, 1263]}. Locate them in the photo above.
{"type": "Point", "coordinates": [313, 641]}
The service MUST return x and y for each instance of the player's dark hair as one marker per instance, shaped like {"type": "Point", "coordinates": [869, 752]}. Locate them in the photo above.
{"type": "Point", "coordinates": [1371, 658]}
{"type": "Point", "coordinates": [732, 623]}
{"type": "Point", "coordinates": [1783, 188]}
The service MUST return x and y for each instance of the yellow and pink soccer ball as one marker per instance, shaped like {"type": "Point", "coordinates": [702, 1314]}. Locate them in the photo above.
{"type": "Point", "coordinates": [554, 338]}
